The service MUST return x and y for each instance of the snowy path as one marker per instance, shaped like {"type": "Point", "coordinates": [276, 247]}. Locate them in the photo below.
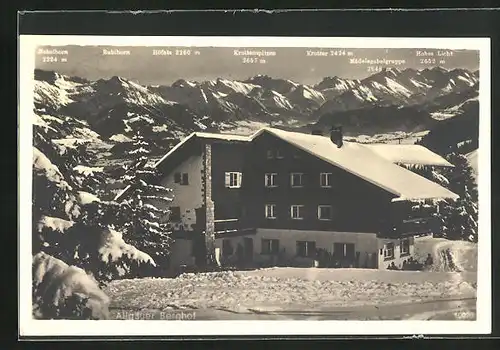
{"type": "Point", "coordinates": [295, 293]}
{"type": "Point", "coordinates": [452, 309]}
{"type": "Point", "coordinates": [444, 309]}
{"type": "Point", "coordinates": [312, 293]}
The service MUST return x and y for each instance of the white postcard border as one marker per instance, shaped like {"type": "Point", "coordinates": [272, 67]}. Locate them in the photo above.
{"type": "Point", "coordinates": [30, 327]}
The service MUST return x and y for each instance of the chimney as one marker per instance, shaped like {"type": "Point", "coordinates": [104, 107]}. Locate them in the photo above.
{"type": "Point", "coordinates": [317, 132]}
{"type": "Point", "coordinates": [336, 135]}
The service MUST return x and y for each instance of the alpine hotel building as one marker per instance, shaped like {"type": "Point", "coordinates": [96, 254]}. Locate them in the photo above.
{"type": "Point", "coordinates": [282, 197]}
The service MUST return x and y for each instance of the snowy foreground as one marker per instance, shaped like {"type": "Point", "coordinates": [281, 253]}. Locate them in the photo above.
{"type": "Point", "coordinates": [306, 293]}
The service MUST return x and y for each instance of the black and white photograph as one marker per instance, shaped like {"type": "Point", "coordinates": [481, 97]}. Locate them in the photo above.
{"type": "Point", "coordinates": [310, 180]}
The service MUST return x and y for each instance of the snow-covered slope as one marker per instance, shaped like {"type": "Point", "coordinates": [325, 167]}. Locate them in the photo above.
{"type": "Point", "coordinates": [117, 108]}
{"type": "Point", "coordinates": [54, 90]}
{"type": "Point", "coordinates": [365, 111]}
{"type": "Point", "coordinates": [112, 106]}
{"type": "Point", "coordinates": [473, 161]}
{"type": "Point", "coordinates": [308, 293]}
{"type": "Point", "coordinates": [455, 103]}
{"type": "Point", "coordinates": [230, 86]}
{"type": "Point", "coordinates": [187, 106]}
{"type": "Point", "coordinates": [332, 87]}
{"type": "Point", "coordinates": [392, 86]}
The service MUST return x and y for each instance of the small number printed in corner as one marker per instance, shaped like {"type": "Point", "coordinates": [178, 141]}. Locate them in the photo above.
{"type": "Point", "coordinates": [465, 315]}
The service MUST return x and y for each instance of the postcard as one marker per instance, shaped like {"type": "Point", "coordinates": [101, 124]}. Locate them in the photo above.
{"type": "Point", "coordinates": [197, 186]}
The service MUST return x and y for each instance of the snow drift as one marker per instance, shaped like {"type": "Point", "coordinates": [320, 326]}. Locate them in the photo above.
{"type": "Point", "coordinates": [286, 289]}
{"type": "Point", "coordinates": [54, 282]}
{"type": "Point", "coordinates": [473, 161]}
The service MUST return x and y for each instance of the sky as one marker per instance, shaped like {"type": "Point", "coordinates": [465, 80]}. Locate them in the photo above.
{"type": "Point", "coordinates": [207, 63]}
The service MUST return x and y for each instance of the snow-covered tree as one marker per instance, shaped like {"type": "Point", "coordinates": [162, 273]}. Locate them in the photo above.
{"type": "Point", "coordinates": [61, 291]}
{"type": "Point", "coordinates": [74, 240]}
{"type": "Point", "coordinates": [147, 205]}
{"type": "Point", "coordinates": [429, 172]}
{"type": "Point", "coordinates": [140, 147]}
{"type": "Point", "coordinates": [458, 218]}
{"type": "Point", "coordinates": [461, 177]}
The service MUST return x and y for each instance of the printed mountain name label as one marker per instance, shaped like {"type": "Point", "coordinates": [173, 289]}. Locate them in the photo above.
{"type": "Point", "coordinates": [439, 53]}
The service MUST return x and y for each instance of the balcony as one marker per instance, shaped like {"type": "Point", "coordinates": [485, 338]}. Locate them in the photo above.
{"type": "Point", "coordinates": [416, 226]}
{"type": "Point", "coordinates": [231, 227]}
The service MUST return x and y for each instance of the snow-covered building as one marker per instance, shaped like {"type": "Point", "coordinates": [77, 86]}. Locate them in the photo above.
{"type": "Point", "coordinates": [284, 196]}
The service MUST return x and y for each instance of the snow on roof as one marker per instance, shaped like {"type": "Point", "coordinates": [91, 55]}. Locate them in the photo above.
{"type": "Point", "coordinates": [408, 154]}
{"type": "Point", "coordinates": [227, 137]}
{"type": "Point", "coordinates": [366, 164]}
{"type": "Point", "coordinates": [204, 135]}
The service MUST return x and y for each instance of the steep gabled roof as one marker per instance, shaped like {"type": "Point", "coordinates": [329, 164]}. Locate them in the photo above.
{"type": "Point", "coordinates": [361, 161]}
{"type": "Point", "coordinates": [373, 163]}
{"type": "Point", "coordinates": [408, 154]}
{"type": "Point", "coordinates": [204, 135]}
{"type": "Point", "coordinates": [191, 137]}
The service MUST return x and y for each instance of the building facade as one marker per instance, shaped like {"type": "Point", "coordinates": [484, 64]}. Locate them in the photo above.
{"type": "Point", "coordinates": [284, 198]}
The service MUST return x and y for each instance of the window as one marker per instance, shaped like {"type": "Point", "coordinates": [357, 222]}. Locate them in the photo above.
{"type": "Point", "coordinates": [271, 211]}
{"type": "Point", "coordinates": [185, 179]}
{"type": "Point", "coordinates": [296, 179]}
{"type": "Point", "coordinates": [233, 179]}
{"type": "Point", "coordinates": [270, 179]}
{"type": "Point", "coordinates": [177, 178]}
{"type": "Point", "coordinates": [389, 251]}
{"type": "Point", "coordinates": [325, 179]}
{"type": "Point", "coordinates": [182, 179]}
{"type": "Point", "coordinates": [270, 246]}
{"type": "Point", "coordinates": [325, 212]}
{"type": "Point", "coordinates": [405, 247]}
{"type": "Point", "coordinates": [343, 250]}
{"type": "Point", "coordinates": [175, 214]}
{"type": "Point", "coordinates": [227, 248]}
{"type": "Point", "coordinates": [306, 249]}
{"type": "Point", "coordinates": [274, 153]}
{"type": "Point", "coordinates": [296, 212]}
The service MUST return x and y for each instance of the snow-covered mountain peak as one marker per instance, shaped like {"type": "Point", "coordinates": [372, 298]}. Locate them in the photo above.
{"type": "Point", "coordinates": [392, 71]}
{"type": "Point", "coordinates": [310, 93]}
{"type": "Point", "coordinates": [114, 80]}
{"type": "Point", "coordinates": [57, 90]}
{"type": "Point", "coordinates": [234, 86]}
{"type": "Point", "coordinates": [183, 83]}
{"type": "Point", "coordinates": [262, 98]}
{"type": "Point", "coordinates": [439, 69]}
{"type": "Point", "coordinates": [283, 86]}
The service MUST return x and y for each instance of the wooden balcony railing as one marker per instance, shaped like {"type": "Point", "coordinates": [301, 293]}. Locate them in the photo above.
{"type": "Point", "coordinates": [417, 226]}
{"type": "Point", "coordinates": [231, 226]}
{"type": "Point", "coordinates": [226, 225]}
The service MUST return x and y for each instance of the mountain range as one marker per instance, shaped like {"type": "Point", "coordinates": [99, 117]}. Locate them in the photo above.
{"type": "Point", "coordinates": [389, 100]}
{"type": "Point", "coordinates": [392, 86]}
